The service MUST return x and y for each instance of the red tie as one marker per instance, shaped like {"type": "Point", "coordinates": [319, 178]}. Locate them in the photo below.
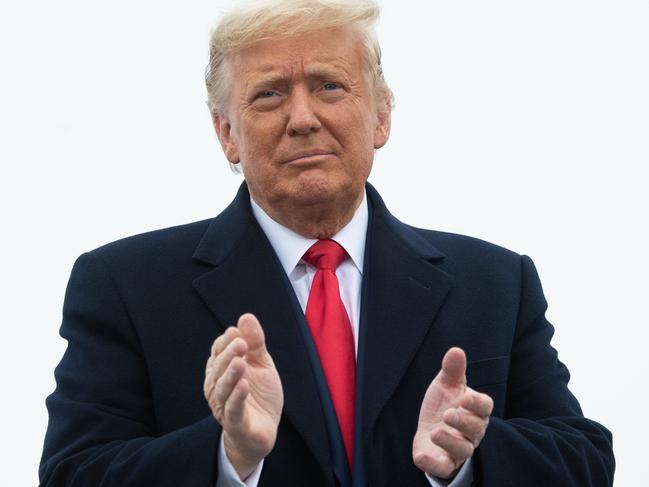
{"type": "Point", "coordinates": [332, 334]}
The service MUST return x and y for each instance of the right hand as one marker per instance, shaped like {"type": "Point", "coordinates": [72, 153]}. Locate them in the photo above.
{"type": "Point", "coordinates": [244, 392]}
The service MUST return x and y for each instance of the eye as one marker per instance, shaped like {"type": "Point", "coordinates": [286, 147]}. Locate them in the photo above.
{"type": "Point", "coordinates": [266, 94]}
{"type": "Point", "coordinates": [267, 99]}
{"type": "Point", "coordinates": [330, 86]}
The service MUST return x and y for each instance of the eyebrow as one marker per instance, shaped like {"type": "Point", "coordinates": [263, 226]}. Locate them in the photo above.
{"type": "Point", "coordinates": [271, 76]}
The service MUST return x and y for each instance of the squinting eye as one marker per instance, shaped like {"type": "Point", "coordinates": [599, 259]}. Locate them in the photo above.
{"type": "Point", "coordinates": [330, 86]}
{"type": "Point", "coordinates": [266, 94]}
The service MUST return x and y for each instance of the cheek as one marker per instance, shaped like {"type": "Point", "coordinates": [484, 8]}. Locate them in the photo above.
{"type": "Point", "coordinates": [359, 138]}
{"type": "Point", "coordinates": [352, 127]}
{"type": "Point", "coordinates": [264, 138]}
{"type": "Point", "coordinates": [363, 123]}
{"type": "Point", "coordinates": [253, 130]}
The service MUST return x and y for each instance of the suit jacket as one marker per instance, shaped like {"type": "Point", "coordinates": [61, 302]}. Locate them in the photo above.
{"type": "Point", "coordinates": [140, 315]}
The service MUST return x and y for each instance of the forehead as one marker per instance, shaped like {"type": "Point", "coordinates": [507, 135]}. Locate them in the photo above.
{"type": "Point", "coordinates": [330, 49]}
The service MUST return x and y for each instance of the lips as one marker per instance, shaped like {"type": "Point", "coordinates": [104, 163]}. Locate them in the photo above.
{"type": "Point", "coordinates": [307, 154]}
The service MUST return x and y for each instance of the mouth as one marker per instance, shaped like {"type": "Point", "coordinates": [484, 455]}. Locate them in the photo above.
{"type": "Point", "coordinates": [307, 157]}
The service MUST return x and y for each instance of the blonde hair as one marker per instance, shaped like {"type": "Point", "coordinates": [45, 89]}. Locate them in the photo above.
{"type": "Point", "coordinates": [257, 20]}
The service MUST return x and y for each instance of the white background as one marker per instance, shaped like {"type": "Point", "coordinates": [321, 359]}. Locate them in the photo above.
{"type": "Point", "coordinates": [523, 123]}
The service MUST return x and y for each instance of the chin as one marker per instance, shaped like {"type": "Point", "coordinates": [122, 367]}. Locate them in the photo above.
{"type": "Point", "coordinates": [317, 191]}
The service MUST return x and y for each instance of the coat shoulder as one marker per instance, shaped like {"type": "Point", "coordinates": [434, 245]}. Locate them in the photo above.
{"type": "Point", "coordinates": [473, 257]}
{"type": "Point", "coordinates": [455, 245]}
{"type": "Point", "coordinates": [154, 247]}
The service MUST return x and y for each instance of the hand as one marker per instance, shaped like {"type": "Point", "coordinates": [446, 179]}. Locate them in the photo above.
{"type": "Point", "coordinates": [452, 420]}
{"type": "Point", "coordinates": [245, 394]}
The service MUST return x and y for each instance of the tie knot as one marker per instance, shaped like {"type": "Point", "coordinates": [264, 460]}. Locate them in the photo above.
{"type": "Point", "coordinates": [325, 254]}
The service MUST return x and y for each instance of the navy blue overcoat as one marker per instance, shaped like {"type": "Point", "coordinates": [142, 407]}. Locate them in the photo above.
{"type": "Point", "coordinates": [140, 315]}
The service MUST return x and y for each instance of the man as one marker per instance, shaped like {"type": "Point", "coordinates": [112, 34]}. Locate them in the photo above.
{"type": "Point", "coordinates": [334, 377]}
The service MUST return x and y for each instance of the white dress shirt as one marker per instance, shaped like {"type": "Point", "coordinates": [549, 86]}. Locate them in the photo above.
{"type": "Point", "coordinates": [290, 247]}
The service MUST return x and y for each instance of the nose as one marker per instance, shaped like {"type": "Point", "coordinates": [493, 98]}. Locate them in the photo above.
{"type": "Point", "coordinates": [302, 119]}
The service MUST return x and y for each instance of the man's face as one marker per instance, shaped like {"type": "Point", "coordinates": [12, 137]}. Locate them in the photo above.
{"type": "Point", "coordinates": [302, 120]}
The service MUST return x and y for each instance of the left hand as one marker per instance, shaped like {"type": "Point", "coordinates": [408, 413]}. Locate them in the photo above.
{"type": "Point", "coordinates": [452, 420]}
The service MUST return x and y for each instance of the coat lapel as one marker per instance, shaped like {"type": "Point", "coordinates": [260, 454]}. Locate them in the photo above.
{"type": "Point", "coordinates": [247, 277]}
{"type": "Point", "coordinates": [406, 288]}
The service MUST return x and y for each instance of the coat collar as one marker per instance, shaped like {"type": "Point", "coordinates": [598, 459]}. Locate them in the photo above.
{"type": "Point", "coordinates": [226, 230]}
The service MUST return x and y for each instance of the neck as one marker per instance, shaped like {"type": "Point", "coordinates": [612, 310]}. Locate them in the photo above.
{"type": "Point", "coordinates": [314, 221]}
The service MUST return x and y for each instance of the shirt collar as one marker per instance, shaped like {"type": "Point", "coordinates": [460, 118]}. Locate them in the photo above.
{"type": "Point", "coordinates": [291, 246]}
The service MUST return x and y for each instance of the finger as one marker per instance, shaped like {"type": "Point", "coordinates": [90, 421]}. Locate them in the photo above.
{"type": "Point", "coordinates": [478, 403]}
{"type": "Point", "coordinates": [219, 345]}
{"type": "Point", "coordinates": [437, 464]}
{"type": "Point", "coordinates": [227, 382]}
{"type": "Point", "coordinates": [223, 340]}
{"type": "Point", "coordinates": [209, 383]}
{"type": "Point", "coordinates": [453, 371]}
{"type": "Point", "coordinates": [252, 332]}
{"type": "Point", "coordinates": [472, 427]}
{"type": "Point", "coordinates": [234, 413]}
{"type": "Point", "coordinates": [236, 348]}
{"type": "Point", "coordinates": [459, 449]}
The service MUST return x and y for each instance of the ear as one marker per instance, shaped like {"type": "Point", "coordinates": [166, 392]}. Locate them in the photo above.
{"type": "Point", "coordinates": [223, 130]}
{"type": "Point", "coordinates": [382, 130]}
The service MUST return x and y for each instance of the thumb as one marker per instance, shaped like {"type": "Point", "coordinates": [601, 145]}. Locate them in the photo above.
{"type": "Point", "coordinates": [453, 371]}
{"type": "Point", "coordinates": [252, 332]}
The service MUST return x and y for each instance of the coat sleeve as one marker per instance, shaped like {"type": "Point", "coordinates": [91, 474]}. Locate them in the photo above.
{"type": "Point", "coordinates": [102, 428]}
{"type": "Point", "coordinates": [543, 438]}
